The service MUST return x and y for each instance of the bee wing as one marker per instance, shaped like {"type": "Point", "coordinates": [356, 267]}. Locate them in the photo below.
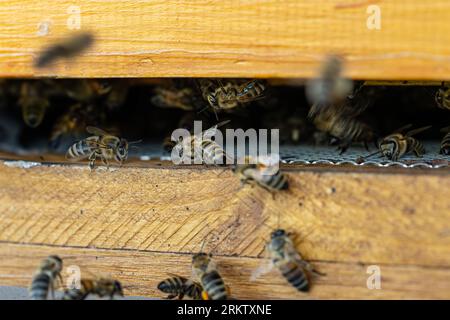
{"type": "Point", "coordinates": [416, 131]}
{"type": "Point", "coordinates": [96, 131]}
{"type": "Point", "coordinates": [402, 129]}
{"type": "Point", "coordinates": [265, 266]}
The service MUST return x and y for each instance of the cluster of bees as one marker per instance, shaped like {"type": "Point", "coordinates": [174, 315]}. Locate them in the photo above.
{"type": "Point", "coordinates": [336, 108]}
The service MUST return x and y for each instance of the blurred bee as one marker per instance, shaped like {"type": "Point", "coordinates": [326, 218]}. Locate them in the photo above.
{"type": "Point", "coordinates": [116, 95]}
{"type": "Point", "coordinates": [173, 98]}
{"type": "Point", "coordinates": [329, 87]}
{"type": "Point", "coordinates": [75, 120]}
{"type": "Point", "coordinates": [263, 173]}
{"type": "Point", "coordinates": [288, 261]}
{"type": "Point", "coordinates": [177, 286]}
{"type": "Point", "coordinates": [344, 129]}
{"type": "Point", "coordinates": [101, 145]}
{"type": "Point", "coordinates": [101, 287]}
{"type": "Point", "coordinates": [231, 94]}
{"type": "Point", "coordinates": [203, 147]}
{"type": "Point", "coordinates": [87, 90]}
{"type": "Point", "coordinates": [205, 270]}
{"type": "Point", "coordinates": [34, 103]}
{"type": "Point", "coordinates": [442, 97]}
{"type": "Point", "coordinates": [45, 278]}
{"type": "Point", "coordinates": [67, 48]}
{"type": "Point", "coordinates": [398, 144]}
{"type": "Point", "coordinates": [445, 144]}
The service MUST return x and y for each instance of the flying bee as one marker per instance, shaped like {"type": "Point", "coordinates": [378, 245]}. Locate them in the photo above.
{"type": "Point", "coordinates": [101, 287]}
{"type": "Point", "coordinates": [34, 103]}
{"type": "Point", "coordinates": [67, 48]}
{"type": "Point", "coordinates": [445, 144]}
{"type": "Point", "coordinates": [329, 87]}
{"type": "Point", "coordinates": [442, 97]}
{"type": "Point", "coordinates": [398, 144]}
{"type": "Point", "coordinates": [46, 277]}
{"type": "Point", "coordinates": [174, 98]}
{"type": "Point", "coordinates": [177, 286]}
{"type": "Point", "coordinates": [288, 261]}
{"type": "Point", "coordinates": [265, 174]}
{"type": "Point", "coordinates": [101, 145]}
{"type": "Point", "coordinates": [205, 270]}
{"type": "Point", "coordinates": [231, 94]}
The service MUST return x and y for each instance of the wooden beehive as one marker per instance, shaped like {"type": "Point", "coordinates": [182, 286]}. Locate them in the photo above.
{"type": "Point", "coordinates": [145, 220]}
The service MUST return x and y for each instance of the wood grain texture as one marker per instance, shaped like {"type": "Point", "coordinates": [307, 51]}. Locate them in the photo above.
{"type": "Point", "coordinates": [252, 38]}
{"type": "Point", "coordinates": [140, 272]}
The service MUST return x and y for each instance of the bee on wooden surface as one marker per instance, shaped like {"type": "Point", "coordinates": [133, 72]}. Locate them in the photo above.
{"type": "Point", "coordinates": [34, 103]}
{"type": "Point", "coordinates": [288, 261]}
{"type": "Point", "coordinates": [205, 270]}
{"type": "Point", "coordinates": [101, 287]}
{"type": "Point", "coordinates": [231, 94]}
{"type": "Point", "coordinates": [67, 48]}
{"type": "Point", "coordinates": [45, 278]}
{"type": "Point", "coordinates": [177, 286]}
{"type": "Point", "coordinates": [344, 129]}
{"type": "Point", "coordinates": [172, 97]}
{"type": "Point", "coordinates": [101, 145]}
{"type": "Point", "coordinates": [203, 147]}
{"type": "Point", "coordinates": [263, 173]}
{"type": "Point", "coordinates": [442, 97]}
{"type": "Point", "coordinates": [398, 144]}
{"type": "Point", "coordinates": [445, 144]}
{"type": "Point", "coordinates": [329, 87]}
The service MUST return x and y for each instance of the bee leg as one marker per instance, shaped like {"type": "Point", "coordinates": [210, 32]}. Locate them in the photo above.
{"type": "Point", "coordinates": [92, 160]}
{"type": "Point", "coordinates": [181, 296]}
{"type": "Point", "coordinates": [106, 163]}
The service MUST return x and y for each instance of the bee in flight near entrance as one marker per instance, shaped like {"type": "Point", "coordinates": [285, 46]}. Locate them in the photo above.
{"type": "Point", "coordinates": [46, 277]}
{"type": "Point", "coordinates": [177, 286]}
{"type": "Point", "coordinates": [101, 287]}
{"type": "Point", "coordinates": [205, 270]}
{"type": "Point", "coordinates": [288, 261]}
{"type": "Point", "coordinates": [263, 172]}
{"type": "Point", "coordinates": [101, 145]}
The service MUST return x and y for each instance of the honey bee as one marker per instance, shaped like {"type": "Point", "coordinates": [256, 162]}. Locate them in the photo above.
{"type": "Point", "coordinates": [445, 144]}
{"type": "Point", "coordinates": [34, 103]}
{"type": "Point", "coordinates": [263, 173]}
{"type": "Point", "coordinates": [288, 261]}
{"type": "Point", "coordinates": [87, 90]}
{"type": "Point", "coordinates": [173, 98]}
{"type": "Point", "coordinates": [101, 287]}
{"type": "Point", "coordinates": [231, 94]}
{"type": "Point", "coordinates": [343, 129]}
{"type": "Point", "coordinates": [205, 270]}
{"type": "Point", "coordinates": [442, 97]}
{"type": "Point", "coordinates": [203, 147]}
{"type": "Point", "coordinates": [46, 277]}
{"type": "Point", "coordinates": [117, 94]}
{"type": "Point", "coordinates": [74, 121]}
{"type": "Point", "coordinates": [329, 87]}
{"type": "Point", "coordinates": [67, 48]}
{"type": "Point", "coordinates": [101, 145]}
{"type": "Point", "coordinates": [397, 144]}
{"type": "Point", "coordinates": [177, 286]}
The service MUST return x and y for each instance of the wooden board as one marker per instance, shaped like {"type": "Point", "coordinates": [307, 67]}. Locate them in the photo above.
{"type": "Point", "coordinates": [141, 216]}
{"type": "Point", "coordinates": [252, 38]}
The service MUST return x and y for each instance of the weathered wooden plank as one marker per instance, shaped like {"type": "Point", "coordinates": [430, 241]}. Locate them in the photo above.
{"type": "Point", "coordinates": [156, 38]}
{"type": "Point", "coordinates": [140, 273]}
{"type": "Point", "coordinates": [376, 217]}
